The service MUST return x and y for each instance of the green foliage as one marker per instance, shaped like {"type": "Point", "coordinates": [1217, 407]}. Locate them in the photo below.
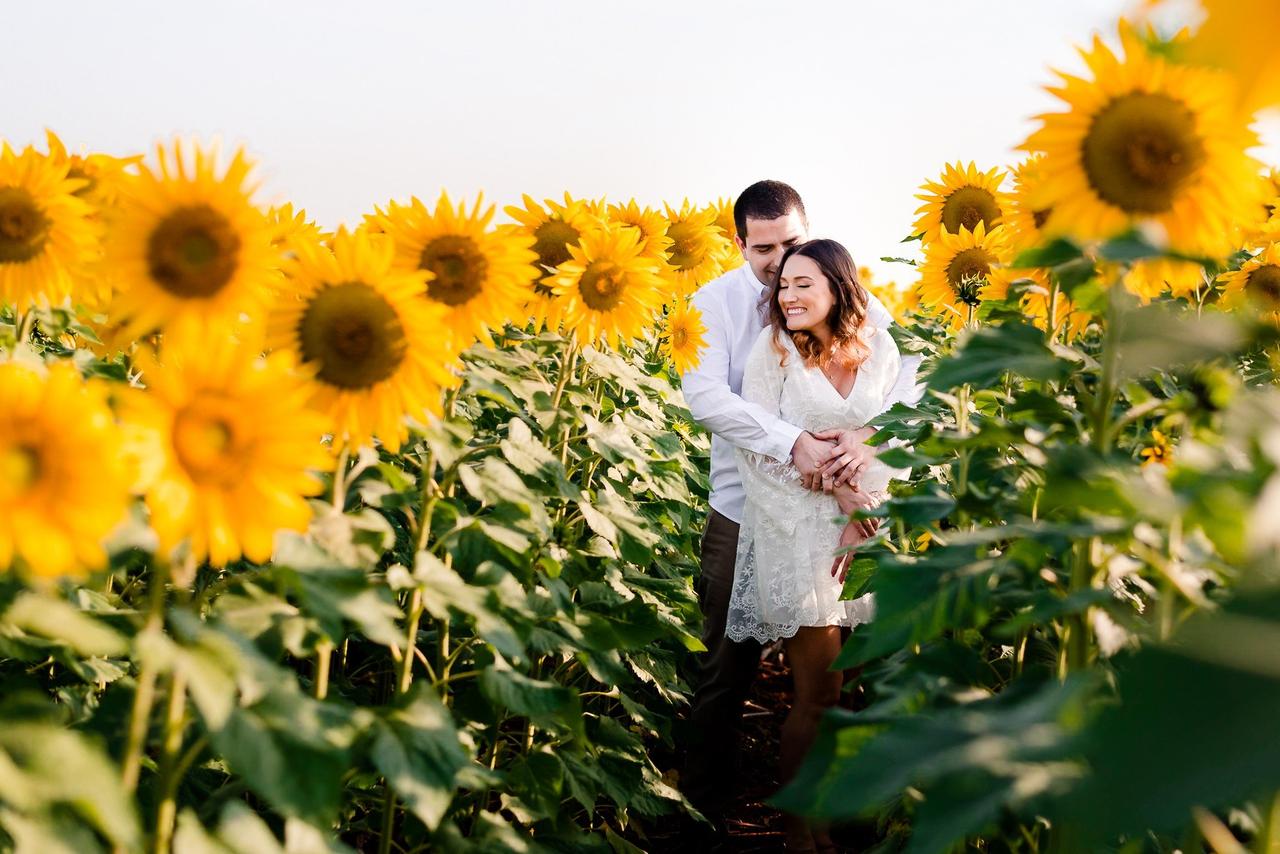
{"type": "Point", "coordinates": [1046, 669]}
{"type": "Point", "coordinates": [474, 647]}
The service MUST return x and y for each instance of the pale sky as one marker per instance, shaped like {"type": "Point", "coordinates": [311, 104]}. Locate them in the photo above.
{"type": "Point", "coordinates": [346, 105]}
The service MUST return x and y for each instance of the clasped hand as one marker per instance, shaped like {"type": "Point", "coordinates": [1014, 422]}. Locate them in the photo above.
{"type": "Point", "coordinates": [832, 458]}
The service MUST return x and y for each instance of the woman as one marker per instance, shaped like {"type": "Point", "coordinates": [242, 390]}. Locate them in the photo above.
{"type": "Point", "coordinates": [818, 365]}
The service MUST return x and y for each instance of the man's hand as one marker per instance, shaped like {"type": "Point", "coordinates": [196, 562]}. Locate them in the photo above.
{"type": "Point", "coordinates": [852, 535]}
{"type": "Point", "coordinates": [851, 457]}
{"type": "Point", "coordinates": [809, 454]}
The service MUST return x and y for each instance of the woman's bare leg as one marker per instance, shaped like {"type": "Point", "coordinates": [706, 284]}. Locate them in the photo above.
{"type": "Point", "coordinates": [810, 653]}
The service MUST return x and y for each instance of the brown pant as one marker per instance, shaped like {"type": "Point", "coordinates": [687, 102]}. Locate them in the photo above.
{"type": "Point", "coordinates": [725, 673]}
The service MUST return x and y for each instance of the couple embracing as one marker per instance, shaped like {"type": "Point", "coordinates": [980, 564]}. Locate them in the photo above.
{"type": "Point", "coordinates": [798, 360]}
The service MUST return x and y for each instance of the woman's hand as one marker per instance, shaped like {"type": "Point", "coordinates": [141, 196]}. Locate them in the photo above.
{"type": "Point", "coordinates": [852, 535]}
{"type": "Point", "coordinates": [852, 499]}
{"type": "Point", "coordinates": [851, 457]}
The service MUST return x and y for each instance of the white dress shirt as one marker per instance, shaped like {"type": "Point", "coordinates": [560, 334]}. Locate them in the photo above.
{"type": "Point", "coordinates": [712, 391]}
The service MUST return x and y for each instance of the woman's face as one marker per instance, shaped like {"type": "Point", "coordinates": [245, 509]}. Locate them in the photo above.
{"type": "Point", "coordinates": [804, 295]}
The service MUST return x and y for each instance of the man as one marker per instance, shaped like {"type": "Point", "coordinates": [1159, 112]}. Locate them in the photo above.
{"type": "Point", "coordinates": [769, 218]}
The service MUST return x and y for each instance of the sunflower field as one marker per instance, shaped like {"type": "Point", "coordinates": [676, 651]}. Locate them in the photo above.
{"type": "Point", "coordinates": [384, 539]}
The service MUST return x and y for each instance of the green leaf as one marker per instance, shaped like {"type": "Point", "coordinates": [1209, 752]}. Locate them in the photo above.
{"type": "Point", "coordinates": [1195, 725]}
{"type": "Point", "coordinates": [918, 598]}
{"type": "Point", "coordinates": [538, 700]}
{"type": "Point", "coordinates": [991, 351]}
{"type": "Point", "coordinates": [48, 617]}
{"type": "Point", "coordinates": [444, 590]}
{"type": "Point", "coordinates": [1127, 248]}
{"type": "Point", "coordinates": [1052, 254]}
{"type": "Point", "coordinates": [44, 766]}
{"type": "Point", "coordinates": [1159, 337]}
{"type": "Point", "coordinates": [416, 747]}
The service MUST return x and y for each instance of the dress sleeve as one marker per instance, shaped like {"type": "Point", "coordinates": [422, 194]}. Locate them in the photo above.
{"type": "Point", "coordinates": [773, 488]}
{"type": "Point", "coordinates": [891, 372]}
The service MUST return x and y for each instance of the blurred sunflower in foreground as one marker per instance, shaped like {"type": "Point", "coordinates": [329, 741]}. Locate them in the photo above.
{"type": "Point", "coordinates": [481, 277]}
{"type": "Point", "coordinates": [187, 249]}
{"type": "Point", "coordinates": [376, 349]}
{"type": "Point", "coordinates": [226, 444]}
{"type": "Point", "coordinates": [64, 484]}
{"type": "Point", "coordinates": [1146, 142]}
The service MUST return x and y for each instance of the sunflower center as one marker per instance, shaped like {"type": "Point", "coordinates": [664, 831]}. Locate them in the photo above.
{"type": "Point", "coordinates": [193, 252]}
{"type": "Point", "coordinates": [969, 206]}
{"type": "Point", "coordinates": [354, 335]}
{"type": "Point", "coordinates": [458, 266]}
{"type": "Point", "coordinates": [202, 443]}
{"type": "Point", "coordinates": [1264, 285]}
{"type": "Point", "coordinates": [1041, 217]}
{"type": "Point", "coordinates": [24, 228]}
{"type": "Point", "coordinates": [1141, 150]}
{"type": "Point", "coordinates": [968, 266]}
{"type": "Point", "coordinates": [601, 286]}
{"type": "Point", "coordinates": [552, 240]}
{"type": "Point", "coordinates": [685, 251]}
{"type": "Point", "coordinates": [19, 470]}
{"type": "Point", "coordinates": [679, 337]}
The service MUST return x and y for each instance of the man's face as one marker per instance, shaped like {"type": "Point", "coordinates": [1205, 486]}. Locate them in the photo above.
{"type": "Point", "coordinates": [767, 239]}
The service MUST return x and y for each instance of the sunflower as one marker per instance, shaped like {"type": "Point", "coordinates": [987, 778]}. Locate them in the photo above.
{"type": "Point", "coordinates": [554, 229]}
{"type": "Point", "coordinates": [961, 271]}
{"type": "Point", "coordinates": [1257, 282]}
{"type": "Point", "coordinates": [609, 289]}
{"type": "Point", "coordinates": [226, 444]}
{"type": "Point", "coordinates": [1233, 37]}
{"type": "Point", "coordinates": [899, 302]}
{"type": "Point", "coordinates": [1027, 213]}
{"type": "Point", "coordinates": [188, 249]}
{"type": "Point", "coordinates": [47, 233]}
{"type": "Point", "coordinates": [696, 243]}
{"type": "Point", "coordinates": [102, 174]}
{"type": "Point", "coordinates": [729, 256]}
{"type": "Point", "coordinates": [64, 484]}
{"type": "Point", "coordinates": [1159, 452]}
{"type": "Point", "coordinates": [650, 223]}
{"type": "Point", "coordinates": [1036, 301]}
{"type": "Point", "coordinates": [481, 277]}
{"type": "Point", "coordinates": [963, 196]}
{"type": "Point", "coordinates": [1146, 141]}
{"type": "Point", "coordinates": [1151, 277]}
{"type": "Point", "coordinates": [378, 350]}
{"type": "Point", "coordinates": [290, 227]}
{"type": "Point", "coordinates": [1264, 227]}
{"type": "Point", "coordinates": [684, 336]}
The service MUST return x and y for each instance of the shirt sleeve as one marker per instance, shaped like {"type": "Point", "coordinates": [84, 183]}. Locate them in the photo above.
{"type": "Point", "coordinates": [772, 487]}
{"type": "Point", "coordinates": [718, 408]}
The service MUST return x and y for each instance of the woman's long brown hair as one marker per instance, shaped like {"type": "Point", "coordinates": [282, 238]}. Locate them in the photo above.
{"type": "Point", "coordinates": [848, 314]}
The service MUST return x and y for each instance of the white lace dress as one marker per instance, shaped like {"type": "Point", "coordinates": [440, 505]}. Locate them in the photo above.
{"type": "Point", "coordinates": [789, 535]}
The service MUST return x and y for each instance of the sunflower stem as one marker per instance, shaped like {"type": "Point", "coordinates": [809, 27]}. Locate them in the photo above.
{"type": "Point", "coordinates": [1051, 322]}
{"type": "Point", "coordinates": [144, 695]}
{"type": "Point", "coordinates": [340, 478]}
{"type": "Point", "coordinates": [567, 363]}
{"type": "Point", "coordinates": [324, 660]}
{"type": "Point", "coordinates": [174, 727]}
{"type": "Point", "coordinates": [24, 325]}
